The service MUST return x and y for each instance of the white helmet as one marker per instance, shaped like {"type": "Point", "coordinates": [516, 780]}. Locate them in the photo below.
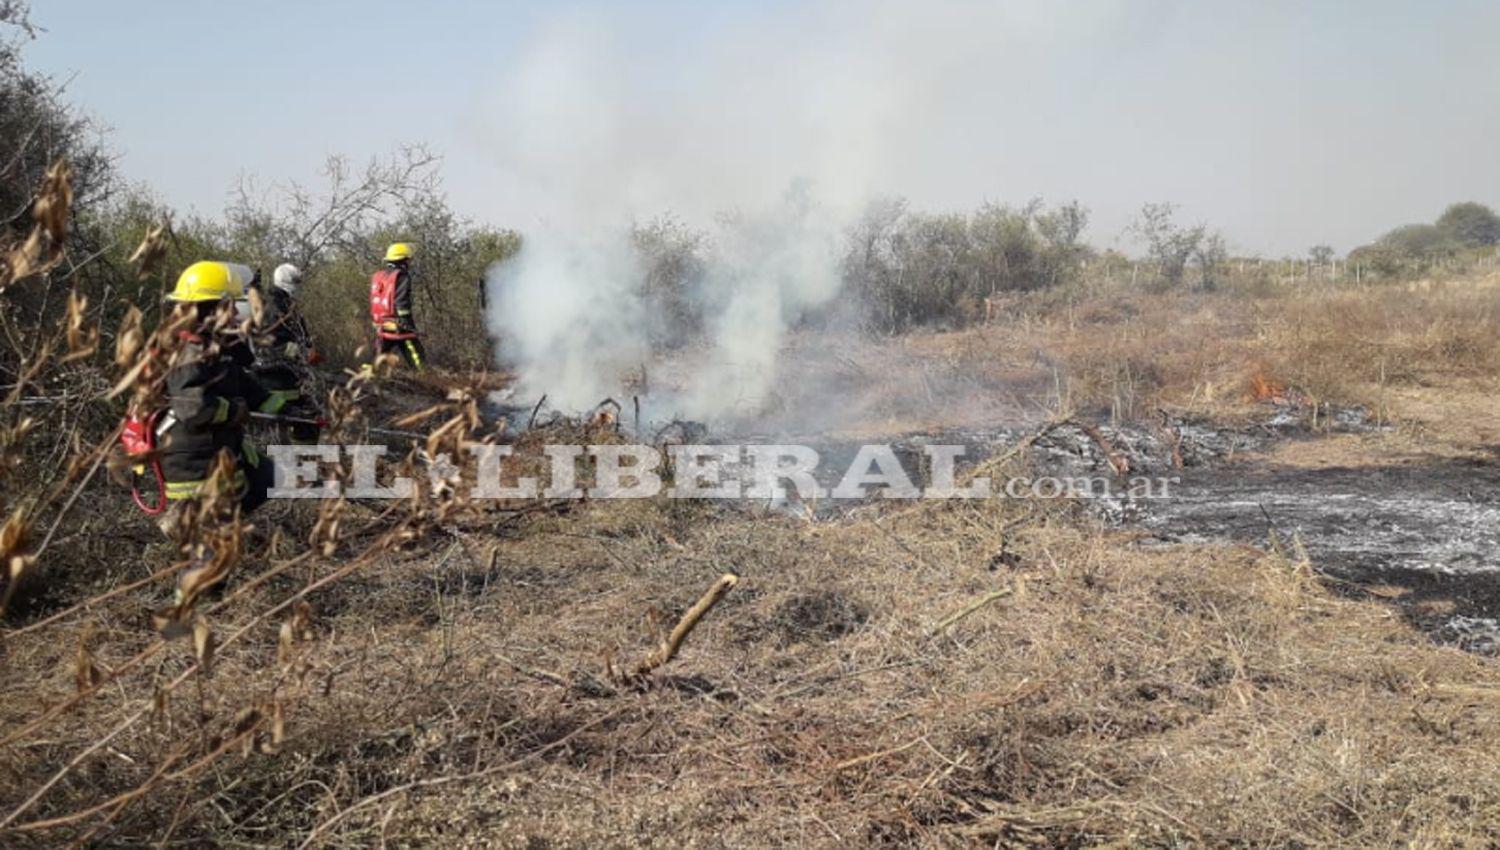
{"type": "Point", "coordinates": [287, 278]}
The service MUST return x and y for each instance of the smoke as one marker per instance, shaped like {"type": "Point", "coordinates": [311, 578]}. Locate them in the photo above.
{"type": "Point", "coordinates": [567, 312]}
{"type": "Point", "coordinates": [770, 271]}
{"type": "Point", "coordinates": [778, 129]}
{"type": "Point", "coordinates": [596, 155]}
{"type": "Point", "coordinates": [573, 317]}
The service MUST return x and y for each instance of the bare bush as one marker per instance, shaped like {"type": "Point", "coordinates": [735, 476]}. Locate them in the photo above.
{"type": "Point", "coordinates": [1169, 245]}
{"type": "Point", "coordinates": [673, 262]}
{"type": "Point", "coordinates": [912, 269]}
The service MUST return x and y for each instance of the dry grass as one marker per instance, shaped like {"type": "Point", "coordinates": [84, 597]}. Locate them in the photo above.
{"type": "Point", "coordinates": [1122, 355]}
{"type": "Point", "coordinates": [948, 674]}
{"type": "Point", "coordinates": [1164, 698]}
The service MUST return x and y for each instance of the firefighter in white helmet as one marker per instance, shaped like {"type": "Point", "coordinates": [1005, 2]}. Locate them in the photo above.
{"type": "Point", "coordinates": [283, 353]}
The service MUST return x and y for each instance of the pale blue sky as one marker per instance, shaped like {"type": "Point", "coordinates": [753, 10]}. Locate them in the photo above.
{"type": "Point", "coordinates": [1285, 124]}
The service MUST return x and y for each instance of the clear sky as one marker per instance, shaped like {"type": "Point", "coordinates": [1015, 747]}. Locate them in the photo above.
{"type": "Point", "coordinates": [1285, 124]}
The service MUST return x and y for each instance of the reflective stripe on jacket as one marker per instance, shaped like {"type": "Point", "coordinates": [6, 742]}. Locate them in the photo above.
{"type": "Point", "coordinates": [207, 391]}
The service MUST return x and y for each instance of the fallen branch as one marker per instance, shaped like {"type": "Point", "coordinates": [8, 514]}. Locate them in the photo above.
{"type": "Point", "coordinates": [953, 619]}
{"type": "Point", "coordinates": [1118, 462]}
{"type": "Point", "coordinates": [869, 757]}
{"type": "Point", "coordinates": [1025, 443]}
{"type": "Point", "coordinates": [531, 423]}
{"type": "Point", "coordinates": [669, 647]}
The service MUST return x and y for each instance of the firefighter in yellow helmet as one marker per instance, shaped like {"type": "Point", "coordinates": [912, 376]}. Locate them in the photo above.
{"type": "Point", "coordinates": [210, 393]}
{"type": "Point", "coordinates": [390, 308]}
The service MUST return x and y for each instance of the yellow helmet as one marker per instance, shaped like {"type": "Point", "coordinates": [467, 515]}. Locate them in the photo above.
{"type": "Point", "coordinates": [208, 280]}
{"type": "Point", "coordinates": [398, 251]}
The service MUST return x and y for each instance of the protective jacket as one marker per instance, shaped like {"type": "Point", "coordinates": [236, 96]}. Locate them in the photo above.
{"type": "Point", "coordinates": [283, 331]}
{"type": "Point", "coordinates": [390, 302]}
{"type": "Point", "coordinates": [210, 392]}
{"type": "Point", "coordinates": [283, 352]}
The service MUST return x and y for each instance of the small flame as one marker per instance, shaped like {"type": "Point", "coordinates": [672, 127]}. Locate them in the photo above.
{"type": "Point", "coordinates": [1263, 387]}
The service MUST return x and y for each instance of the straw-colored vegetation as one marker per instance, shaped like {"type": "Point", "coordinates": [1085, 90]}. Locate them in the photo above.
{"type": "Point", "coordinates": [441, 672]}
{"type": "Point", "coordinates": [444, 672]}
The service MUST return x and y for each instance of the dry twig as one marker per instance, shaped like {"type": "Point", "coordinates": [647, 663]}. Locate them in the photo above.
{"type": "Point", "coordinates": [670, 645]}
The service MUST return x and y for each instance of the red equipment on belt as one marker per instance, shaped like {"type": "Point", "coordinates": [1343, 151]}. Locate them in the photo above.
{"type": "Point", "coordinates": [383, 296]}
{"type": "Point", "coordinates": [383, 306]}
{"type": "Point", "coordinates": [138, 438]}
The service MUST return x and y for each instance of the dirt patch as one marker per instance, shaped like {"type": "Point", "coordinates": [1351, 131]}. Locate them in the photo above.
{"type": "Point", "coordinates": [819, 616]}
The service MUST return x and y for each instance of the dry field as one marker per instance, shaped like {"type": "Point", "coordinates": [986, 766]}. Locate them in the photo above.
{"type": "Point", "coordinates": [938, 674]}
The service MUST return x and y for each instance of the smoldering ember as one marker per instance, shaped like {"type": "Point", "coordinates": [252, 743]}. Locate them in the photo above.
{"type": "Point", "coordinates": [709, 471]}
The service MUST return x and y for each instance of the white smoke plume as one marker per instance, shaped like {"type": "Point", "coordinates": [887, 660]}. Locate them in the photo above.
{"type": "Point", "coordinates": [767, 272]}
{"type": "Point", "coordinates": [569, 309]}
{"type": "Point", "coordinates": [566, 308]}
{"type": "Point", "coordinates": [836, 102]}
{"type": "Point", "coordinates": [567, 312]}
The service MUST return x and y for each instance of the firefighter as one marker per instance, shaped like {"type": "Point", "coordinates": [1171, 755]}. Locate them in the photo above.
{"type": "Point", "coordinates": [390, 308]}
{"type": "Point", "coordinates": [283, 351]}
{"type": "Point", "coordinates": [211, 393]}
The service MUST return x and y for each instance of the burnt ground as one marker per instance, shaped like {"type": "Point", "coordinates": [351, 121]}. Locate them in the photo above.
{"type": "Point", "coordinates": [1425, 536]}
{"type": "Point", "coordinates": [1422, 533]}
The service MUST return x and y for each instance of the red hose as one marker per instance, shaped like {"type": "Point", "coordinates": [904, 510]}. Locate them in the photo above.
{"type": "Point", "coordinates": [161, 491]}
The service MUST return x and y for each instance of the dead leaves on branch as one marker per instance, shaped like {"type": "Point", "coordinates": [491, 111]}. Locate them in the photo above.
{"type": "Point", "coordinates": [144, 360]}
{"type": "Point", "coordinates": [43, 247]}
{"type": "Point", "coordinates": [259, 729]}
{"type": "Point", "coordinates": [257, 315]}
{"type": "Point", "coordinates": [203, 644]}
{"type": "Point", "coordinates": [327, 531]}
{"type": "Point", "coordinates": [295, 630]}
{"type": "Point", "coordinates": [17, 552]}
{"type": "Point", "coordinates": [53, 202]}
{"type": "Point", "coordinates": [210, 529]}
{"type": "Point", "coordinates": [131, 338]}
{"type": "Point", "coordinates": [148, 255]}
{"type": "Point", "coordinates": [82, 335]}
